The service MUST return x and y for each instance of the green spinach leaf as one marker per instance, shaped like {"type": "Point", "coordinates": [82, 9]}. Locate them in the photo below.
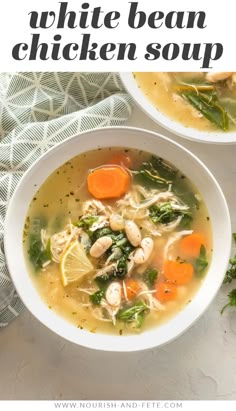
{"type": "Point", "coordinates": [156, 172]}
{"type": "Point", "coordinates": [97, 297]}
{"type": "Point", "coordinates": [150, 277]}
{"type": "Point", "coordinates": [38, 255]}
{"type": "Point", "coordinates": [209, 107]}
{"type": "Point", "coordinates": [134, 314]}
{"type": "Point", "coordinates": [165, 214]}
{"type": "Point", "coordinates": [201, 262]}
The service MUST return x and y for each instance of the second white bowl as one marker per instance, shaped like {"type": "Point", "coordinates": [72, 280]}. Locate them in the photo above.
{"type": "Point", "coordinates": [190, 133]}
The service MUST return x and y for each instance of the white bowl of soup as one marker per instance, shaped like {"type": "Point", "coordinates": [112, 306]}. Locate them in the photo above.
{"type": "Point", "coordinates": [118, 239]}
{"type": "Point", "coordinates": [198, 106]}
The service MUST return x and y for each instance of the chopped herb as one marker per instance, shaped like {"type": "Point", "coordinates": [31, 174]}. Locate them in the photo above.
{"type": "Point", "coordinates": [150, 277]}
{"type": "Point", "coordinates": [201, 262]}
{"type": "Point", "coordinates": [86, 222]}
{"type": "Point", "coordinates": [232, 300]}
{"type": "Point", "coordinates": [231, 272]}
{"type": "Point", "coordinates": [180, 260]}
{"type": "Point", "coordinates": [26, 228]}
{"type": "Point", "coordinates": [27, 222]}
{"type": "Point", "coordinates": [134, 314]}
{"type": "Point", "coordinates": [97, 297]}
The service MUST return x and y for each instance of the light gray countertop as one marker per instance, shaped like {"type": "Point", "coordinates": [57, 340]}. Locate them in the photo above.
{"type": "Point", "coordinates": [37, 364]}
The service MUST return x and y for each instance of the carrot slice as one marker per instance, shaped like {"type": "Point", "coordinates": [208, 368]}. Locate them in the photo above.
{"type": "Point", "coordinates": [121, 159]}
{"type": "Point", "coordinates": [177, 272]}
{"type": "Point", "coordinates": [166, 292]}
{"type": "Point", "coordinates": [108, 182]}
{"type": "Point", "coordinates": [191, 244]}
{"type": "Point", "coordinates": [132, 288]}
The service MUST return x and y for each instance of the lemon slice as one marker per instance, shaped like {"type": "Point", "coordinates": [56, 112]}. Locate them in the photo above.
{"type": "Point", "coordinates": [74, 264]}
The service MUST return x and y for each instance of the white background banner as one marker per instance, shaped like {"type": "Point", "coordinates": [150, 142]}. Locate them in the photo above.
{"type": "Point", "coordinates": [118, 405]}
{"type": "Point", "coordinates": [103, 35]}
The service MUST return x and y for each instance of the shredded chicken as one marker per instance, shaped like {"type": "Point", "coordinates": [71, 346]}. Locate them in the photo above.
{"type": "Point", "coordinates": [61, 240]}
{"type": "Point", "coordinates": [95, 207]}
{"type": "Point", "coordinates": [112, 311]}
{"type": "Point", "coordinates": [101, 223]}
{"type": "Point", "coordinates": [170, 226]}
{"type": "Point", "coordinates": [151, 228]}
{"type": "Point", "coordinates": [98, 314]}
{"type": "Point", "coordinates": [150, 300]}
{"type": "Point", "coordinates": [175, 237]}
{"type": "Point", "coordinates": [106, 270]}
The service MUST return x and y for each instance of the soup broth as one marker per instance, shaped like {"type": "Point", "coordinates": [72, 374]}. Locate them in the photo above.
{"type": "Point", "coordinates": [117, 256]}
{"type": "Point", "coordinates": [205, 101]}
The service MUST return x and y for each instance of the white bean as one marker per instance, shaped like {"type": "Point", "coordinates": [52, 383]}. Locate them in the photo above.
{"type": "Point", "coordinates": [113, 294]}
{"type": "Point", "coordinates": [147, 245]}
{"type": "Point", "coordinates": [133, 233]}
{"type": "Point", "coordinates": [139, 256]}
{"type": "Point", "coordinates": [143, 253]}
{"type": "Point", "coordinates": [100, 246]}
{"type": "Point", "coordinates": [116, 222]}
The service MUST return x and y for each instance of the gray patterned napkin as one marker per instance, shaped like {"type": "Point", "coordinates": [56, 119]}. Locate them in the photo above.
{"type": "Point", "coordinates": [37, 111]}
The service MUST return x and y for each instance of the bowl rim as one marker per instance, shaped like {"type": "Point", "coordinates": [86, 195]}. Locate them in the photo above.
{"type": "Point", "coordinates": [166, 122]}
{"type": "Point", "coordinates": [98, 341]}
